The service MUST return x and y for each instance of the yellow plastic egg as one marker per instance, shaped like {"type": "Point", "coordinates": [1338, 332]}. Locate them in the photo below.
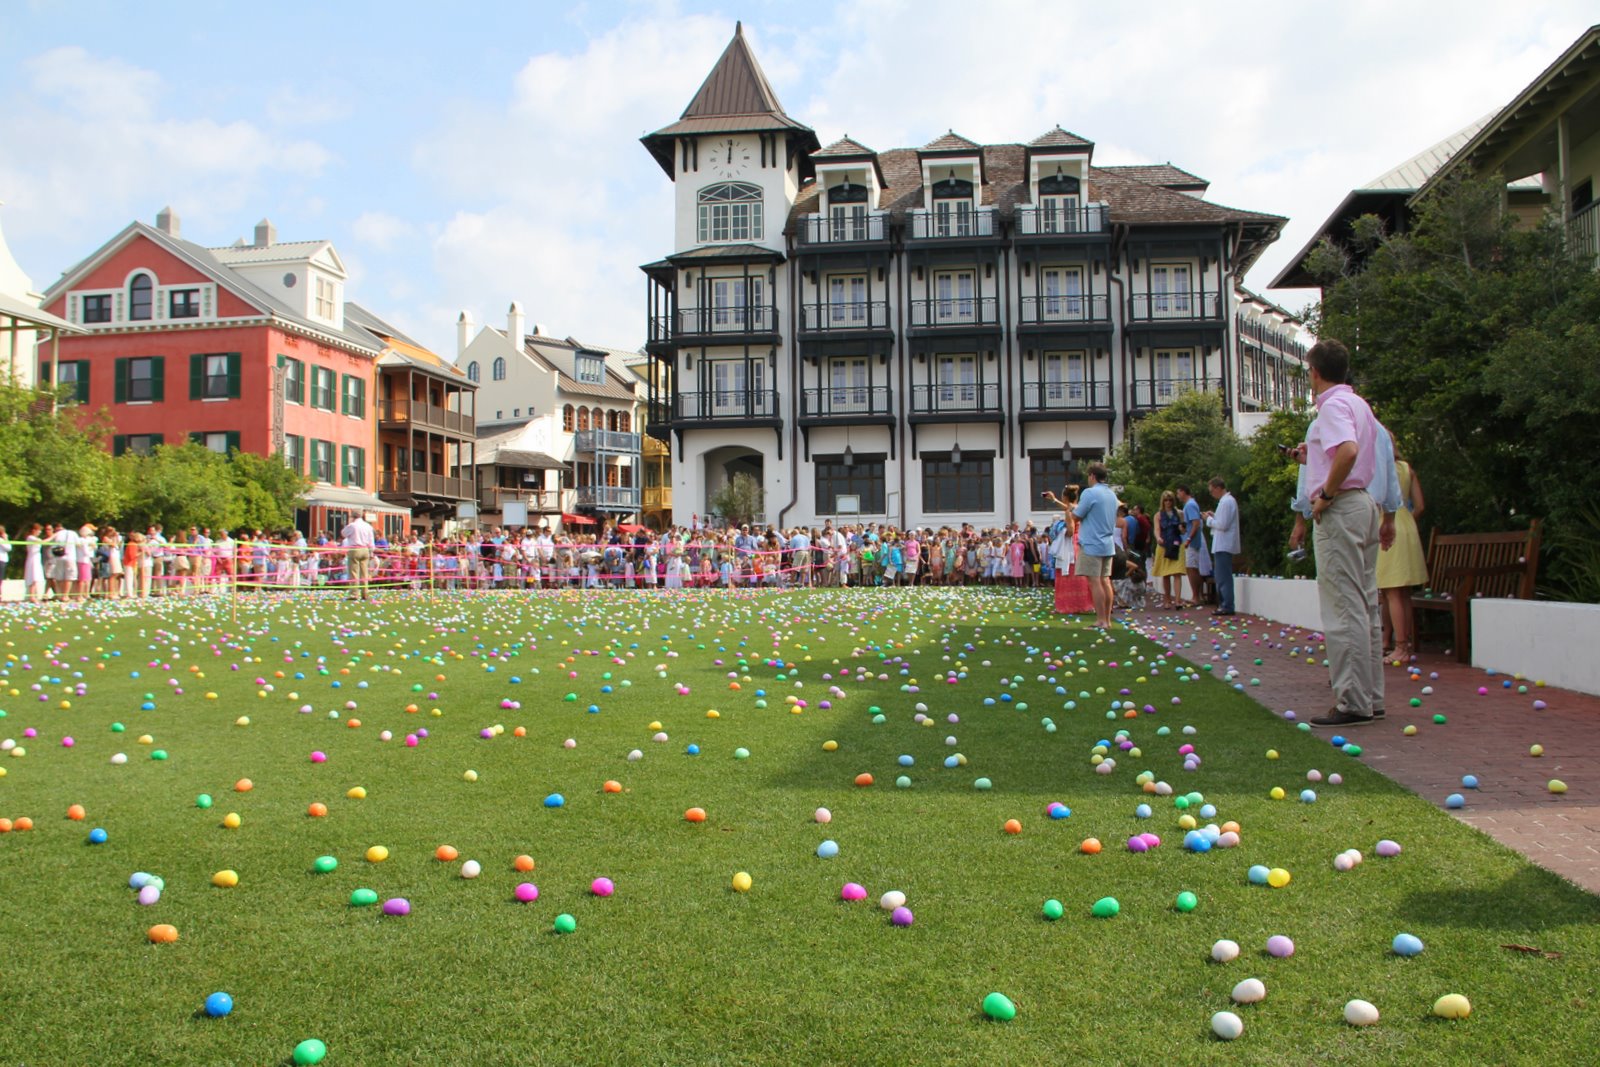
{"type": "Point", "coordinates": [1452, 1006]}
{"type": "Point", "coordinates": [1277, 878]}
{"type": "Point", "coordinates": [225, 879]}
{"type": "Point", "coordinates": [377, 854]}
{"type": "Point", "coordinates": [741, 882]}
{"type": "Point", "coordinates": [1277, 792]}
{"type": "Point", "coordinates": [830, 746]}
{"type": "Point", "coordinates": [356, 792]}
{"type": "Point", "coordinates": [232, 820]}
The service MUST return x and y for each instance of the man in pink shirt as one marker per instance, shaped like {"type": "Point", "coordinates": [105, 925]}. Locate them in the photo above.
{"type": "Point", "coordinates": [1340, 454]}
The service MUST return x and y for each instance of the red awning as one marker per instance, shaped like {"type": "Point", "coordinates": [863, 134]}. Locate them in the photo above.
{"type": "Point", "coordinates": [629, 528]}
{"type": "Point", "coordinates": [577, 520]}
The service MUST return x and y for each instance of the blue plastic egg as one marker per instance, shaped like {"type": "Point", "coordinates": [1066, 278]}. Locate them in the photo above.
{"type": "Point", "coordinates": [1407, 945]}
{"type": "Point", "coordinates": [828, 849]}
{"type": "Point", "coordinates": [1257, 875]}
{"type": "Point", "coordinates": [218, 1005]}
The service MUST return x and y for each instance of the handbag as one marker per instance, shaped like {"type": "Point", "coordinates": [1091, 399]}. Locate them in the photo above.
{"type": "Point", "coordinates": [1169, 551]}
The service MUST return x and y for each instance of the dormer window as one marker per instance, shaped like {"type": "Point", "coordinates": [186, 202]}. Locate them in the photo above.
{"type": "Point", "coordinates": [1058, 204]}
{"type": "Point", "coordinates": [730, 211]}
{"type": "Point", "coordinates": [847, 212]}
{"type": "Point", "coordinates": [326, 296]}
{"type": "Point", "coordinates": [591, 368]}
{"type": "Point", "coordinates": [140, 298]}
{"type": "Point", "coordinates": [952, 207]}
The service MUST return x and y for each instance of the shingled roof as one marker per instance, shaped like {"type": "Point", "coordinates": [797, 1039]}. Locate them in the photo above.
{"type": "Point", "coordinates": [1059, 138]}
{"type": "Point", "coordinates": [844, 147]}
{"type": "Point", "coordinates": [1163, 174]}
{"type": "Point", "coordinates": [951, 142]}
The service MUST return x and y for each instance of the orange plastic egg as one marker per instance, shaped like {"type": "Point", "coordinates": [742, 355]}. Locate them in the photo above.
{"type": "Point", "coordinates": [523, 863]}
{"type": "Point", "coordinates": [1013, 826]}
{"type": "Point", "coordinates": [446, 854]}
{"type": "Point", "coordinates": [5, 826]}
{"type": "Point", "coordinates": [521, 731]}
{"type": "Point", "coordinates": [863, 779]}
{"type": "Point", "coordinates": [612, 786]}
{"type": "Point", "coordinates": [353, 724]}
{"type": "Point", "coordinates": [695, 815]}
{"type": "Point", "coordinates": [163, 934]}
{"type": "Point", "coordinates": [317, 810]}
{"type": "Point", "coordinates": [1090, 846]}
{"type": "Point", "coordinates": [76, 813]}
{"type": "Point", "coordinates": [23, 823]}
{"type": "Point", "coordinates": [243, 785]}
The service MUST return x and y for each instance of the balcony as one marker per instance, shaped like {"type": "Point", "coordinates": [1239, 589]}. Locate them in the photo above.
{"type": "Point", "coordinates": [973, 223]}
{"type": "Point", "coordinates": [1092, 309]}
{"type": "Point", "coordinates": [750, 406]}
{"type": "Point", "coordinates": [421, 483]}
{"type": "Point", "coordinates": [955, 403]}
{"type": "Point", "coordinates": [658, 498]}
{"type": "Point", "coordinates": [1089, 221]}
{"type": "Point", "coordinates": [608, 497]}
{"type": "Point", "coordinates": [1174, 307]}
{"type": "Point", "coordinates": [846, 404]}
{"type": "Point", "coordinates": [541, 501]}
{"type": "Point", "coordinates": [1048, 401]}
{"type": "Point", "coordinates": [845, 316]}
{"type": "Point", "coordinates": [1148, 394]}
{"type": "Point", "coordinates": [419, 413]}
{"type": "Point", "coordinates": [969, 312]}
{"type": "Point", "coordinates": [1583, 234]}
{"type": "Point", "coordinates": [606, 441]}
{"type": "Point", "coordinates": [827, 230]}
{"type": "Point", "coordinates": [714, 322]}
{"type": "Point", "coordinates": [653, 447]}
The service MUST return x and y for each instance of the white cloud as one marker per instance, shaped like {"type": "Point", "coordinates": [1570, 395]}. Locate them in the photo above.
{"type": "Point", "coordinates": [380, 229]}
{"type": "Point", "coordinates": [106, 142]}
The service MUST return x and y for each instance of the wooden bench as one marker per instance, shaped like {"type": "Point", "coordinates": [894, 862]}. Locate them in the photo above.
{"type": "Point", "coordinates": [1463, 567]}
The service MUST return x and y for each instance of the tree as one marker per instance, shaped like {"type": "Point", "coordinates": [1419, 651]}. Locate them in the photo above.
{"type": "Point", "coordinates": [1265, 489]}
{"type": "Point", "coordinates": [740, 500]}
{"type": "Point", "coordinates": [1476, 342]}
{"type": "Point", "coordinates": [178, 486]}
{"type": "Point", "coordinates": [1185, 443]}
{"type": "Point", "coordinates": [268, 492]}
{"type": "Point", "coordinates": [52, 468]}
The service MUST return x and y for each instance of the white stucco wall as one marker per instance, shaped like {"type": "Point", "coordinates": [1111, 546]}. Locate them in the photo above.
{"type": "Point", "coordinates": [1286, 600]}
{"type": "Point", "coordinates": [1540, 640]}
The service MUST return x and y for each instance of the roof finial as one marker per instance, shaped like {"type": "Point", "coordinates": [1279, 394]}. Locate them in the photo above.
{"type": "Point", "coordinates": [738, 28]}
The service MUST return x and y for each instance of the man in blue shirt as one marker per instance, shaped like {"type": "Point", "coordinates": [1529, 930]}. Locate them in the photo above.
{"type": "Point", "coordinates": [1097, 515]}
{"type": "Point", "coordinates": [1194, 542]}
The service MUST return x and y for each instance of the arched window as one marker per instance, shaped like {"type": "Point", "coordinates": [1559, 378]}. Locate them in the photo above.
{"type": "Point", "coordinates": [499, 368]}
{"type": "Point", "coordinates": [141, 297]}
{"type": "Point", "coordinates": [952, 208]}
{"type": "Point", "coordinates": [611, 420]}
{"type": "Point", "coordinates": [1058, 204]}
{"type": "Point", "coordinates": [472, 371]}
{"type": "Point", "coordinates": [583, 419]}
{"type": "Point", "coordinates": [730, 211]}
{"type": "Point", "coordinates": [569, 418]}
{"type": "Point", "coordinates": [624, 422]}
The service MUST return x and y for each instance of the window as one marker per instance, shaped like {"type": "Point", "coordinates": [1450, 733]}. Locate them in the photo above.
{"type": "Point", "coordinates": [847, 300]}
{"type": "Point", "coordinates": [955, 290]}
{"type": "Point", "coordinates": [294, 380]}
{"type": "Point", "coordinates": [322, 460]}
{"type": "Point", "coordinates": [140, 380]}
{"type": "Point", "coordinates": [472, 371]}
{"type": "Point", "coordinates": [214, 376]}
{"type": "Point", "coordinates": [1169, 289]}
{"type": "Point", "coordinates": [74, 375]}
{"type": "Point", "coordinates": [738, 384]}
{"type": "Point", "coordinates": [569, 419]}
{"type": "Point", "coordinates": [499, 369]}
{"type": "Point", "coordinates": [183, 304]}
{"type": "Point", "coordinates": [220, 441]}
{"type": "Point", "coordinates": [1064, 378]}
{"type": "Point", "coordinates": [322, 387]}
{"type": "Point", "coordinates": [140, 297]}
{"type": "Point", "coordinates": [1062, 293]}
{"type": "Point", "coordinates": [294, 452]}
{"type": "Point", "coordinates": [967, 487]}
{"type": "Point", "coordinates": [583, 420]}
{"type": "Point", "coordinates": [354, 396]}
{"type": "Point", "coordinates": [736, 303]}
{"type": "Point", "coordinates": [419, 459]}
{"type": "Point", "coordinates": [624, 422]}
{"type": "Point", "coordinates": [847, 212]}
{"type": "Point", "coordinates": [352, 465]}
{"type": "Point", "coordinates": [97, 308]}
{"type": "Point", "coordinates": [591, 369]}
{"type": "Point", "coordinates": [863, 478]}
{"type": "Point", "coordinates": [952, 208]}
{"type": "Point", "coordinates": [1047, 472]}
{"type": "Point", "coordinates": [1174, 372]}
{"type": "Point", "coordinates": [957, 378]}
{"type": "Point", "coordinates": [326, 294]}
{"type": "Point", "coordinates": [140, 444]}
{"type": "Point", "coordinates": [847, 380]}
{"type": "Point", "coordinates": [730, 211]}
{"type": "Point", "coordinates": [1058, 204]}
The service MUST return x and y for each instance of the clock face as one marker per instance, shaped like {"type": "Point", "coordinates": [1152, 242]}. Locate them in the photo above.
{"type": "Point", "coordinates": [729, 158]}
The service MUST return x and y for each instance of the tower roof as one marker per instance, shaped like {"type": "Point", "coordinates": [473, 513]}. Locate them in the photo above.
{"type": "Point", "coordinates": [735, 98]}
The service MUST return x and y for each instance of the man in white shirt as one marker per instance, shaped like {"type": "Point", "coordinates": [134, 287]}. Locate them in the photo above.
{"type": "Point", "coordinates": [1224, 526]}
{"type": "Point", "coordinates": [359, 540]}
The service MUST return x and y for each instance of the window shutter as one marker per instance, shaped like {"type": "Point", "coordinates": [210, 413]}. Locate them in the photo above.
{"type": "Point", "coordinates": [197, 377]}
{"type": "Point", "coordinates": [233, 441]}
{"type": "Point", "coordinates": [158, 378]}
{"type": "Point", "coordinates": [157, 438]}
{"type": "Point", "coordinates": [44, 371]}
{"type": "Point", "coordinates": [233, 375]}
{"type": "Point", "coordinates": [196, 437]}
{"type": "Point", "coordinates": [361, 398]}
{"type": "Point", "coordinates": [82, 384]}
{"type": "Point", "coordinates": [120, 388]}
{"type": "Point", "coordinates": [119, 442]}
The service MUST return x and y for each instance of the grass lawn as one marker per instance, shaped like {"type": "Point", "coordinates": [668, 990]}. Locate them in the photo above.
{"type": "Point", "coordinates": [677, 967]}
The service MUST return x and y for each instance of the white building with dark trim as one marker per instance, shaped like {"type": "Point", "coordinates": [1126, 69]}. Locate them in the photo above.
{"type": "Point", "coordinates": [926, 336]}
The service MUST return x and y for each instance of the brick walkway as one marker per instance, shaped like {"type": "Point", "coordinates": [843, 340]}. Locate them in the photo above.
{"type": "Point", "coordinates": [1488, 736]}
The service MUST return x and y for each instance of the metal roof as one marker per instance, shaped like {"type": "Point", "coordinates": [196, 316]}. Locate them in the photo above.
{"type": "Point", "coordinates": [25, 315]}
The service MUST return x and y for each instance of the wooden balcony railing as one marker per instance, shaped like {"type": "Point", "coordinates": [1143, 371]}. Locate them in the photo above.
{"type": "Point", "coordinates": [543, 501]}
{"type": "Point", "coordinates": [421, 483]}
{"type": "Point", "coordinates": [657, 497]}
{"type": "Point", "coordinates": [421, 413]}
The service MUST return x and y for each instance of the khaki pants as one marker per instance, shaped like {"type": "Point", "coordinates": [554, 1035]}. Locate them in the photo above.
{"type": "Point", "coordinates": [1347, 588]}
{"type": "Point", "coordinates": [359, 562]}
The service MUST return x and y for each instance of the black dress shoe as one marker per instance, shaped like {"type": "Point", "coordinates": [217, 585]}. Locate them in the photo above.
{"type": "Point", "coordinates": [1336, 718]}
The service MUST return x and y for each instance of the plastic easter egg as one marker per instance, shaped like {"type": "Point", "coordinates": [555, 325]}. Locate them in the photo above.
{"type": "Point", "coordinates": [863, 780]}
{"type": "Point", "coordinates": [119, 758]}
{"type": "Point", "coordinates": [999, 1007]}
{"type": "Point", "coordinates": [1012, 826]}
{"type": "Point", "coordinates": [1557, 786]}
{"type": "Point", "coordinates": [891, 900]}
{"type": "Point", "coordinates": [1105, 908]}
{"type": "Point", "coordinates": [983, 783]}
{"type": "Point", "coordinates": [1226, 1025]}
{"type": "Point", "coordinates": [823, 815]}
{"type": "Point", "coordinates": [741, 753]}
{"type": "Point", "coordinates": [1406, 945]}
{"type": "Point", "coordinates": [741, 882]}
{"type": "Point", "coordinates": [1053, 910]}
{"type": "Point", "coordinates": [1249, 991]}
{"type": "Point", "coordinates": [1186, 901]}
{"type": "Point", "coordinates": [602, 887]}
{"type": "Point", "coordinates": [1388, 849]}
{"type": "Point", "coordinates": [695, 815]}
{"type": "Point", "coordinates": [97, 836]}
{"type": "Point", "coordinates": [446, 853]}
{"type": "Point", "coordinates": [555, 800]}
{"type": "Point", "coordinates": [1535, 750]}
{"type": "Point", "coordinates": [377, 854]}
{"type": "Point", "coordinates": [469, 776]}
{"type": "Point", "coordinates": [523, 864]}
{"type": "Point", "coordinates": [225, 879]}
{"type": "Point", "coordinates": [1280, 947]}
{"type": "Point", "coordinates": [1225, 951]}
{"type": "Point", "coordinates": [902, 916]}
{"type": "Point", "coordinates": [564, 924]}
{"type": "Point", "coordinates": [1452, 1006]}
{"type": "Point", "coordinates": [1455, 800]}
{"type": "Point", "coordinates": [1090, 846]}
{"type": "Point", "coordinates": [324, 864]}
{"type": "Point", "coordinates": [852, 892]}
{"type": "Point", "coordinates": [317, 810]}
{"type": "Point", "coordinates": [148, 895]}
{"type": "Point", "coordinates": [1277, 878]}
{"type": "Point", "coordinates": [232, 820]}
{"type": "Point", "coordinates": [827, 850]}
{"type": "Point", "coordinates": [363, 898]}
{"type": "Point", "coordinates": [218, 1005]}
{"type": "Point", "coordinates": [526, 892]}
{"type": "Point", "coordinates": [162, 934]}
{"type": "Point", "coordinates": [471, 869]}
{"type": "Point", "coordinates": [309, 1052]}
{"type": "Point", "coordinates": [1360, 1013]}
{"type": "Point", "coordinates": [397, 906]}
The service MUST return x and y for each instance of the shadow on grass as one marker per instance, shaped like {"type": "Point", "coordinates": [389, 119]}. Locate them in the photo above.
{"type": "Point", "coordinates": [1531, 899]}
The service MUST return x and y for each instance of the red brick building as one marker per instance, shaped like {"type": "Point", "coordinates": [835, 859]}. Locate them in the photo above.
{"type": "Point", "coordinates": [242, 347]}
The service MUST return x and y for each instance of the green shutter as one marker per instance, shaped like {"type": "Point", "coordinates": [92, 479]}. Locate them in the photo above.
{"type": "Point", "coordinates": [158, 378]}
{"type": "Point", "coordinates": [361, 397]}
{"type": "Point", "coordinates": [119, 444]}
{"type": "Point", "coordinates": [361, 468]}
{"type": "Point", "coordinates": [120, 388]}
{"type": "Point", "coordinates": [197, 377]}
{"type": "Point", "coordinates": [196, 437]}
{"type": "Point", "coordinates": [233, 441]}
{"type": "Point", "coordinates": [233, 375]}
{"type": "Point", "coordinates": [82, 384]}
{"type": "Point", "coordinates": [157, 439]}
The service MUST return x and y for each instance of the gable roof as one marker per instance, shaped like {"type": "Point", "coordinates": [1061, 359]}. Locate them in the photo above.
{"type": "Point", "coordinates": [951, 141]}
{"type": "Point", "coordinates": [1059, 138]}
{"type": "Point", "coordinates": [400, 350]}
{"type": "Point", "coordinates": [843, 148]}
{"type": "Point", "coordinates": [1163, 174]}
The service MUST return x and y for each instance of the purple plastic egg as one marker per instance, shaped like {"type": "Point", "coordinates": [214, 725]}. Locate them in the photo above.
{"type": "Point", "coordinates": [902, 916]}
{"type": "Point", "coordinates": [1388, 849]}
{"type": "Point", "coordinates": [1280, 946]}
{"type": "Point", "coordinates": [852, 891]}
{"type": "Point", "coordinates": [526, 892]}
{"type": "Point", "coordinates": [1137, 844]}
{"type": "Point", "coordinates": [397, 906]}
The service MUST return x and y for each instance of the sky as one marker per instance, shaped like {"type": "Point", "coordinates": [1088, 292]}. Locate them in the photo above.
{"type": "Point", "coordinates": [466, 155]}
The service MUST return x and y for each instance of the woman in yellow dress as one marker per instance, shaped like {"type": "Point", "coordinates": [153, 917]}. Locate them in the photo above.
{"type": "Point", "coordinates": [1402, 565]}
{"type": "Point", "coordinates": [1168, 551]}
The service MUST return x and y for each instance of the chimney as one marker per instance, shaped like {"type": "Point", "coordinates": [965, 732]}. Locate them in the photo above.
{"type": "Point", "coordinates": [167, 221]}
{"type": "Point", "coordinates": [266, 233]}
{"type": "Point", "coordinates": [517, 325]}
{"type": "Point", "coordinates": [464, 327]}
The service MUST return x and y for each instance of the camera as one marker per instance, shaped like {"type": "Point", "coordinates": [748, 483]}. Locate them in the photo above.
{"type": "Point", "coordinates": [1286, 449]}
{"type": "Point", "coordinates": [1297, 554]}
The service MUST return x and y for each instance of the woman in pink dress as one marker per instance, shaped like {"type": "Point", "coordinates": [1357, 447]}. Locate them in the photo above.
{"type": "Point", "coordinates": [1018, 567]}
